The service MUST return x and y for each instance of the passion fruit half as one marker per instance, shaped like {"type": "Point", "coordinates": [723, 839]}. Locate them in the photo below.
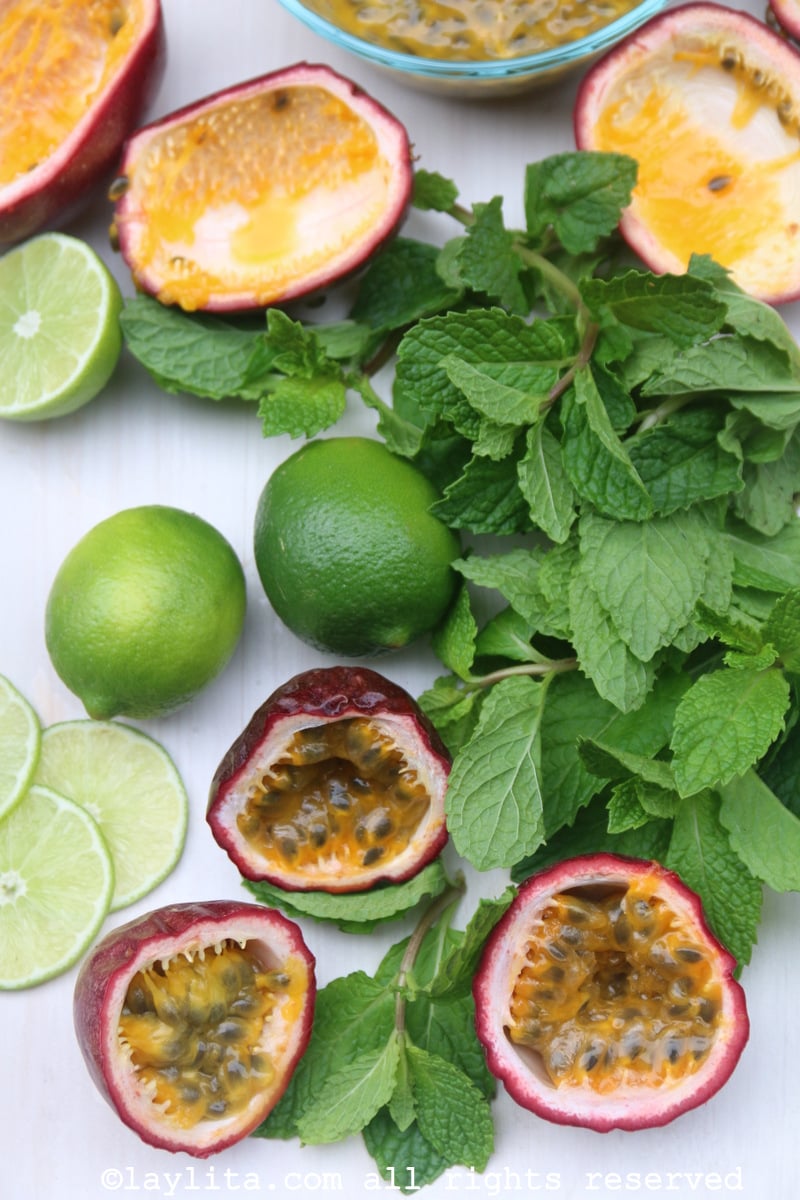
{"type": "Point", "coordinates": [603, 999]}
{"type": "Point", "coordinates": [707, 99]}
{"type": "Point", "coordinates": [336, 784]}
{"type": "Point", "coordinates": [192, 1019]}
{"type": "Point", "coordinates": [785, 14]}
{"type": "Point", "coordinates": [74, 81]}
{"type": "Point", "coordinates": [261, 193]}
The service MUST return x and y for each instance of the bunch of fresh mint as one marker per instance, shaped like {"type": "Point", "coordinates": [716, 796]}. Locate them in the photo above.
{"type": "Point", "coordinates": [623, 662]}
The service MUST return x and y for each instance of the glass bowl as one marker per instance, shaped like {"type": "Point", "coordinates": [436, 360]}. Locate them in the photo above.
{"type": "Point", "coordinates": [485, 77]}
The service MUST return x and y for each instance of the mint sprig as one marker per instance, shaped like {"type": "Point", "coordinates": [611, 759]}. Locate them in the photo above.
{"type": "Point", "coordinates": [396, 1055]}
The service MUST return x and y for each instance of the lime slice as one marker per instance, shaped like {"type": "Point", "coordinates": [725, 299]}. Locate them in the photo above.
{"type": "Point", "coordinates": [56, 881]}
{"type": "Point", "coordinates": [130, 785]}
{"type": "Point", "coordinates": [60, 336]}
{"type": "Point", "coordinates": [19, 745]}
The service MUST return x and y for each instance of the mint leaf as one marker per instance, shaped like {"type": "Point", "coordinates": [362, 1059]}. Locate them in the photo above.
{"type": "Point", "coordinates": [486, 498]}
{"type": "Point", "coordinates": [648, 575]}
{"type": "Point", "coordinates": [452, 710]}
{"type": "Point", "coordinates": [351, 1096]}
{"type": "Point", "coordinates": [353, 1016]}
{"type": "Point", "coordinates": [619, 676]}
{"type": "Point", "coordinates": [681, 461]}
{"type": "Point", "coordinates": [454, 641]}
{"type": "Point", "coordinates": [767, 502]}
{"type": "Point", "coordinates": [513, 574]}
{"type": "Point", "coordinates": [356, 912]}
{"type": "Point", "coordinates": [196, 354]}
{"type": "Point", "coordinates": [507, 635]}
{"type": "Point", "coordinates": [302, 407]}
{"type": "Point", "coordinates": [611, 762]}
{"type": "Point", "coordinates": [494, 797]}
{"type": "Point", "coordinates": [545, 484]}
{"type": "Point", "coordinates": [738, 363]}
{"type": "Point", "coordinates": [625, 809]}
{"type": "Point", "coordinates": [400, 286]}
{"type": "Point", "coordinates": [455, 975]}
{"type": "Point", "coordinates": [433, 191]}
{"type": "Point", "coordinates": [581, 195]}
{"type": "Point", "coordinates": [401, 1102]}
{"type": "Point", "coordinates": [452, 1114]}
{"type": "Point", "coordinates": [745, 313]}
{"type": "Point", "coordinates": [764, 834]}
{"type": "Point", "coordinates": [782, 629]}
{"type": "Point", "coordinates": [682, 308]}
{"type": "Point", "coordinates": [487, 258]}
{"type": "Point", "coordinates": [724, 724]}
{"type": "Point", "coordinates": [594, 457]}
{"type": "Point", "coordinates": [701, 853]}
{"type": "Point", "coordinates": [771, 564]}
{"type": "Point", "coordinates": [407, 1160]}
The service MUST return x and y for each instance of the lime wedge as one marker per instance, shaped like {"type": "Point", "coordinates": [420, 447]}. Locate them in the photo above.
{"type": "Point", "coordinates": [60, 336]}
{"type": "Point", "coordinates": [56, 881]}
{"type": "Point", "coordinates": [129, 784]}
{"type": "Point", "coordinates": [19, 745]}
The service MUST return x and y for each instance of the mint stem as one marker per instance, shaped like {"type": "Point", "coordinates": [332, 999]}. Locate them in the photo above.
{"type": "Point", "coordinates": [546, 669]}
{"type": "Point", "coordinates": [664, 410]}
{"type": "Point", "coordinates": [426, 923]}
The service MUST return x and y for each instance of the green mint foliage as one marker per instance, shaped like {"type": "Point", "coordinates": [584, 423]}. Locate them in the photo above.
{"type": "Point", "coordinates": [433, 191]}
{"type": "Point", "coordinates": [701, 852]}
{"type": "Point", "coordinates": [402, 285]}
{"type": "Point", "coordinates": [454, 640]}
{"type": "Point", "coordinates": [682, 308]}
{"type": "Point", "coordinates": [764, 833]}
{"type": "Point", "coordinates": [494, 794]}
{"type": "Point", "coordinates": [397, 1055]}
{"type": "Point", "coordinates": [782, 630]}
{"type": "Point", "coordinates": [725, 724]}
{"type": "Point", "coordinates": [487, 260]}
{"type": "Point", "coordinates": [302, 407]}
{"type": "Point", "coordinates": [355, 912]}
{"type": "Point", "coordinates": [579, 196]}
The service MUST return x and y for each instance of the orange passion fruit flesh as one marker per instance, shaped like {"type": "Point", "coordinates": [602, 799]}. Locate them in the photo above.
{"type": "Point", "coordinates": [715, 134]}
{"type": "Point", "coordinates": [204, 1030]}
{"type": "Point", "coordinates": [341, 805]}
{"type": "Point", "coordinates": [613, 991]}
{"type": "Point", "coordinates": [250, 196]}
{"type": "Point", "coordinates": [53, 65]}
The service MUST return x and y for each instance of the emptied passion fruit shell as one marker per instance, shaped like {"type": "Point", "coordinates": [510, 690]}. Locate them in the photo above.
{"type": "Point", "coordinates": [74, 80]}
{"type": "Point", "coordinates": [336, 784]}
{"type": "Point", "coordinates": [707, 99]}
{"type": "Point", "coordinates": [603, 1000]}
{"type": "Point", "coordinates": [192, 1019]}
{"type": "Point", "coordinates": [261, 193]}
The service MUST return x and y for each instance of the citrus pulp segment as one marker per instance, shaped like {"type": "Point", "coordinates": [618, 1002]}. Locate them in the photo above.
{"type": "Point", "coordinates": [56, 882]}
{"type": "Point", "coordinates": [60, 336]}
{"type": "Point", "coordinates": [19, 745]}
{"type": "Point", "coordinates": [130, 786]}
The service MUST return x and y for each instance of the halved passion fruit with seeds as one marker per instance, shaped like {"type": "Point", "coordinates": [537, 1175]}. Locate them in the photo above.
{"type": "Point", "coordinates": [336, 784]}
{"type": "Point", "coordinates": [261, 193]}
{"type": "Point", "coordinates": [603, 1000]}
{"type": "Point", "coordinates": [74, 80]}
{"type": "Point", "coordinates": [707, 100]}
{"type": "Point", "coordinates": [192, 1019]}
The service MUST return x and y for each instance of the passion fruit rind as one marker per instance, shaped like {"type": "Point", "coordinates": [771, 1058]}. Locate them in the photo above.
{"type": "Point", "coordinates": [603, 999]}
{"type": "Point", "coordinates": [196, 265]}
{"type": "Point", "coordinates": [785, 17]}
{"type": "Point", "coordinates": [54, 188]}
{"type": "Point", "coordinates": [336, 784]}
{"type": "Point", "coordinates": [192, 1019]}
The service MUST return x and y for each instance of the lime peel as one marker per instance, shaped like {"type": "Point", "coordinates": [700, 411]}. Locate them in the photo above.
{"type": "Point", "coordinates": [20, 738]}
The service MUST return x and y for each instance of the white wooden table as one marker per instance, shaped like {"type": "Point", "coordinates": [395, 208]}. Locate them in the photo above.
{"type": "Point", "coordinates": [134, 445]}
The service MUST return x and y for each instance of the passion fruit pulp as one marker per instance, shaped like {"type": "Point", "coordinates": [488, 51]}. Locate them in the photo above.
{"type": "Point", "coordinates": [261, 193]}
{"type": "Point", "coordinates": [603, 999]}
{"type": "Point", "coordinates": [192, 1019]}
{"type": "Point", "coordinates": [707, 99]}
{"type": "Point", "coordinates": [75, 78]}
{"type": "Point", "coordinates": [336, 784]}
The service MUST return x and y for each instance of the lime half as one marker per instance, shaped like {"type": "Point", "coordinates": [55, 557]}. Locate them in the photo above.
{"type": "Point", "coordinates": [60, 336]}
{"type": "Point", "coordinates": [20, 736]}
{"type": "Point", "coordinates": [56, 881]}
{"type": "Point", "coordinates": [131, 787]}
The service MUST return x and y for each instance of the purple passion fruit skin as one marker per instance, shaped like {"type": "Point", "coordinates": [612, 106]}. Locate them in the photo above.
{"type": "Point", "coordinates": [707, 99]}
{"type": "Point", "coordinates": [337, 784]}
{"type": "Point", "coordinates": [603, 1000]}
{"type": "Point", "coordinates": [262, 193]}
{"type": "Point", "coordinates": [192, 1019]}
{"type": "Point", "coordinates": [51, 190]}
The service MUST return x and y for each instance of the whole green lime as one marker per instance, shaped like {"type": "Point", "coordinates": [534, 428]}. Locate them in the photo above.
{"type": "Point", "coordinates": [348, 552]}
{"type": "Point", "coordinates": [144, 611]}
